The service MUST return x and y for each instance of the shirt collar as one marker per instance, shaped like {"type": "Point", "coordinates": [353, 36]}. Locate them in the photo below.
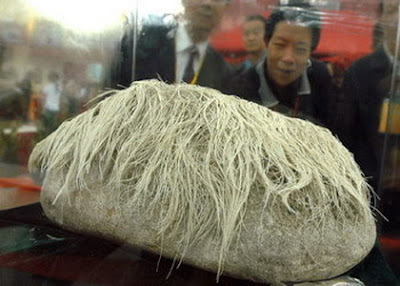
{"type": "Point", "coordinates": [268, 99]}
{"type": "Point", "coordinates": [183, 41]}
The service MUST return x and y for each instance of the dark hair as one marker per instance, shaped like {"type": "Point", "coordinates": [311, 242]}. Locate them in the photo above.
{"type": "Point", "coordinates": [297, 11]}
{"type": "Point", "coordinates": [256, 17]}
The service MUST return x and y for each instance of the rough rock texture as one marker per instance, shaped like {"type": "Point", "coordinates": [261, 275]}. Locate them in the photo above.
{"type": "Point", "coordinates": [265, 253]}
{"type": "Point", "coordinates": [210, 180]}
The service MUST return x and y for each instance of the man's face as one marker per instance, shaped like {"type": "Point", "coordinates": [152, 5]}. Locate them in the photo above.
{"type": "Point", "coordinates": [288, 52]}
{"type": "Point", "coordinates": [204, 15]}
{"type": "Point", "coordinates": [253, 35]}
{"type": "Point", "coordinates": [389, 20]}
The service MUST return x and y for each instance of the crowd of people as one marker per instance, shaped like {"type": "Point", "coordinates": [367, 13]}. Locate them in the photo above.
{"type": "Point", "coordinates": [45, 100]}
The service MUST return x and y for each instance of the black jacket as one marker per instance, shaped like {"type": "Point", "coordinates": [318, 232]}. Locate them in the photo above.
{"type": "Point", "coordinates": [155, 58]}
{"type": "Point", "coordinates": [366, 84]}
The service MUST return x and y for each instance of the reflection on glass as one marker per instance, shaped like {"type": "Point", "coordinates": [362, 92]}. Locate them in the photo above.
{"type": "Point", "coordinates": [54, 57]}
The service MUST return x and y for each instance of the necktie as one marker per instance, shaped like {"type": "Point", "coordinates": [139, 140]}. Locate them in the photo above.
{"type": "Point", "coordinates": [189, 70]}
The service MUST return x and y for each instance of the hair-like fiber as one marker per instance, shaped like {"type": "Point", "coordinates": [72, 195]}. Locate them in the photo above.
{"type": "Point", "coordinates": [197, 155]}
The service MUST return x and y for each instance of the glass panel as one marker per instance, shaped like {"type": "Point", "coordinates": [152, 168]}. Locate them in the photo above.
{"type": "Point", "coordinates": [389, 183]}
{"type": "Point", "coordinates": [54, 59]}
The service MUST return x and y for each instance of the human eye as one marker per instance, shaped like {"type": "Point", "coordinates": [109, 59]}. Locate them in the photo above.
{"type": "Point", "coordinates": [301, 50]}
{"type": "Point", "coordinates": [279, 44]}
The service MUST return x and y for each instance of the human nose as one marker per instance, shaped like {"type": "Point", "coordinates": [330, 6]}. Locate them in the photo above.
{"type": "Point", "coordinates": [250, 36]}
{"type": "Point", "coordinates": [288, 55]}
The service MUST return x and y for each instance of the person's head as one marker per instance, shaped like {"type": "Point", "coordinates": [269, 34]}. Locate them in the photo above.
{"type": "Point", "coordinates": [203, 16]}
{"type": "Point", "coordinates": [292, 33]}
{"type": "Point", "coordinates": [254, 33]}
{"type": "Point", "coordinates": [389, 21]}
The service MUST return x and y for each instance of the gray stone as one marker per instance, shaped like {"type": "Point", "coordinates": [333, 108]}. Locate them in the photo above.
{"type": "Point", "coordinates": [265, 252]}
{"type": "Point", "coordinates": [211, 180]}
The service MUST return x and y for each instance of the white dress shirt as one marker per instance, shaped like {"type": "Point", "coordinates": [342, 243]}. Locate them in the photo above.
{"type": "Point", "coordinates": [52, 98]}
{"type": "Point", "coordinates": [183, 45]}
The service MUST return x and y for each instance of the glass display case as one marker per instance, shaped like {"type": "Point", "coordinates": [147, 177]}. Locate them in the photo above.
{"type": "Point", "coordinates": [56, 56]}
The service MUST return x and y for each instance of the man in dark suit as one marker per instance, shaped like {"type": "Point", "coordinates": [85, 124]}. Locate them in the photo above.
{"type": "Point", "coordinates": [287, 79]}
{"type": "Point", "coordinates": [179, 52]}
{"type": "Point", "coordinates": [367, 84]}
{"type": "Point", "coordinates": [366, 130]}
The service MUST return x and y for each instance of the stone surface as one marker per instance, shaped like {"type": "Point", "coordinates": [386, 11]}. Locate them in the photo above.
{"type": "Point", "coordinates": [265, 252]}
{"type": "Point", "coordinates": [209, 179]}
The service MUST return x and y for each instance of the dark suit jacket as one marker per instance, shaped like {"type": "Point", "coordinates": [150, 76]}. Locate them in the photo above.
{"type": "Point", "coordinates": [366, 84]}
{"type": "Point", "coordinates": [155, 58]}
{"type": "Point", "coordinates": [314, 107]}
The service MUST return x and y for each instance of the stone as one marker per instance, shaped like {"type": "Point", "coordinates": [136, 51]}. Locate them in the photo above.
{"type": "Point", "coordinates": [228, 210]}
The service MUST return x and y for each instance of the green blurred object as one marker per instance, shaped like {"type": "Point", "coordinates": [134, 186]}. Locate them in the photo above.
{"type": "Point", "coordinates": [15, 238]}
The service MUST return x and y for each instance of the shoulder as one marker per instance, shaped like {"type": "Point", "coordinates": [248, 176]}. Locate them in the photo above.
{"type": "Point", "coordinates": [247, 77]}
{"type": "Point", "coordinates": [246, 85]}
{"type": "Point", "coordinates": [318, 68]}
{"type": "Point", "coordinates": [154, 30]}
{"type": "Point", "coordinates": [251, 75]}
{"type": "Point", "coordinates": [318, 74]}
{"type": "Point", "coordinates": [154, 35]}
{"type": "Point", "coordinates": [375, 62]}
{"type": "Point", "coordinates": [214, 55]}
{"type": "Point", "coordinates": [247, 64]}
{"type": "Point", "coordinates": [151, 39]}
{"type": "Point", "coordinates": [215, 61]}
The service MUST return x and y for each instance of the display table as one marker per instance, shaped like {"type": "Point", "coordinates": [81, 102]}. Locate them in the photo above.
{"type": "Point", "coordinates": [32, 249]}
